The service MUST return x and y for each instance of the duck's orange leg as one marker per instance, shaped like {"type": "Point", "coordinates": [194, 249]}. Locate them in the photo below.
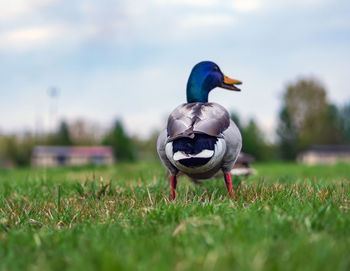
{"type": "Point", "coordinates": [173, 183]}
{"type": "Point", "coordinates": [228, 182]}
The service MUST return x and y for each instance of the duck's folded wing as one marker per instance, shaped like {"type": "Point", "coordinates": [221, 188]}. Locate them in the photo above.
{"type": "Point", "coordinates": [161, 142]}
{"type": "Point", "coordinates": [208, 118]}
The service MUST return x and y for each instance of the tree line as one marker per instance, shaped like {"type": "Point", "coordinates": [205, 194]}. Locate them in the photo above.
{"type": "Point", "coordinates": [306, 118]}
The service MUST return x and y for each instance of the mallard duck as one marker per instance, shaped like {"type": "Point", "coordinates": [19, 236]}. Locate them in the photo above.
{"type": "Point", "coordinates": [200, 138]}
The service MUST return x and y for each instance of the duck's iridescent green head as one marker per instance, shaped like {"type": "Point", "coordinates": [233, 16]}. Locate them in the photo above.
{"type": "Point", "coordinates": [204, 77]}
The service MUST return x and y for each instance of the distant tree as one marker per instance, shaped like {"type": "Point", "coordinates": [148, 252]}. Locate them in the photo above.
{"type": "Point", "coordinates": [344, 117]}
{"type": "Point", "coordinates": [122, 144]}
{"type": "Point", "coordinates": [17, 149]}
{"type": "Point", "coordinates": [62, 136]}
{"type": "Point", "coordinates": [84, 132]}
{"type": "Point", "coordinates": [146, 148]}
{"type": "Point", "coordinates": [306, 118]}
{"type": "Point", "coordinates": [12, 150]}
{"type": "Point", "coordinates": [254, 141]}
{"type": "Point", "coordinates": [333, 122]}
{"type": "Point", "coordinates": [287, 136]}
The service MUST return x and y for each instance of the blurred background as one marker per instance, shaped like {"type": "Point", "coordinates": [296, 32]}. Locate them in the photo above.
{"type": "Point", "coordinates": [107, 73]}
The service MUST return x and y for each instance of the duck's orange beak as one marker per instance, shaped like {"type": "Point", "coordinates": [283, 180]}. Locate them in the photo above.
{"type": "Point", "coordinates": [230, 83]}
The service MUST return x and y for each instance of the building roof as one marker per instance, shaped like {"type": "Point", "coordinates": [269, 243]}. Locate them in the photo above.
{"type": "Point", "coordinates": [86, 151]}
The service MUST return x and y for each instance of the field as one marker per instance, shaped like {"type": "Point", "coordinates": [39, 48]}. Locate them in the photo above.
{"type": "Point", "coordinates": [287, 217]}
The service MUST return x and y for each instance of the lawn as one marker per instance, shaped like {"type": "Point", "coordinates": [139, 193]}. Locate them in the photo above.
{"type": "Point", "coordinates": [287, 217]}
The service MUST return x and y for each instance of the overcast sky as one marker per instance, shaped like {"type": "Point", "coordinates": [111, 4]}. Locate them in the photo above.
{"type": "Point", "coordinates": [132, 58]}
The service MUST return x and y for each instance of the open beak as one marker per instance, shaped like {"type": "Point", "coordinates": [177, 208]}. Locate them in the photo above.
{"type": "Point", "coordinates": [230, 83]}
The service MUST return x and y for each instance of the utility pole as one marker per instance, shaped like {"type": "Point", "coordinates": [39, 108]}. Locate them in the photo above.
{"type": "Point", "coordinates": [53, 93]}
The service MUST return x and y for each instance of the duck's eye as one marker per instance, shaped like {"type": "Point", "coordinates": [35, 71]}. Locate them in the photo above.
{"type": "Point", "coordinates": [215, 69]}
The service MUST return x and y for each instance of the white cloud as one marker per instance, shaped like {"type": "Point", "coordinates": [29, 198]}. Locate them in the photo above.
{"type": "Point", "coordinates": [17, 9]}
{"type": "Point", "coordinates": [206, 20]}
{"type": "Point", "coordinates": [193, 3]}
{"type": "Point", "coordinates": [124, 23]}
{"type": "Point", "coordinates": [246, 5]}
{"type": "Point", "coordinates": [26, 38]}
{"type": "Point", "coordinates": [12, 11]}
{"type": "Point", "coordinates": [237, 5]}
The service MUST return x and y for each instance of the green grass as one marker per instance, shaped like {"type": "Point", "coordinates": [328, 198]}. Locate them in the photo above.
{"type": "Point", "coordinates": [288, 217]}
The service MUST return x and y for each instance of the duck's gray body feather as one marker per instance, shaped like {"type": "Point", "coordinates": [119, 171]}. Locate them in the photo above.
{"type": "Point", "coordinates": [204, 118]}
{"type": "Point", "coordinates": [189, 118]}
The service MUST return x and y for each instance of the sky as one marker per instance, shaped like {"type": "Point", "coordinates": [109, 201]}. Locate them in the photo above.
{"type": "Point", "coordinates": [130, 59]}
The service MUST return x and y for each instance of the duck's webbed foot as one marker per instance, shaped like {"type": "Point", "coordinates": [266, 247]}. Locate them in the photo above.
{"type": "Point", "coordinates": [228, 182]}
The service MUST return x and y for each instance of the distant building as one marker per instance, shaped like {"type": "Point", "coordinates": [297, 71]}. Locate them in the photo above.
{"type": "Point", "coordinates": [325, 154]}
{"type": "Point", "coordinates": [243, 165]}
{"type": "Point", "coordinates": [54, 156]}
